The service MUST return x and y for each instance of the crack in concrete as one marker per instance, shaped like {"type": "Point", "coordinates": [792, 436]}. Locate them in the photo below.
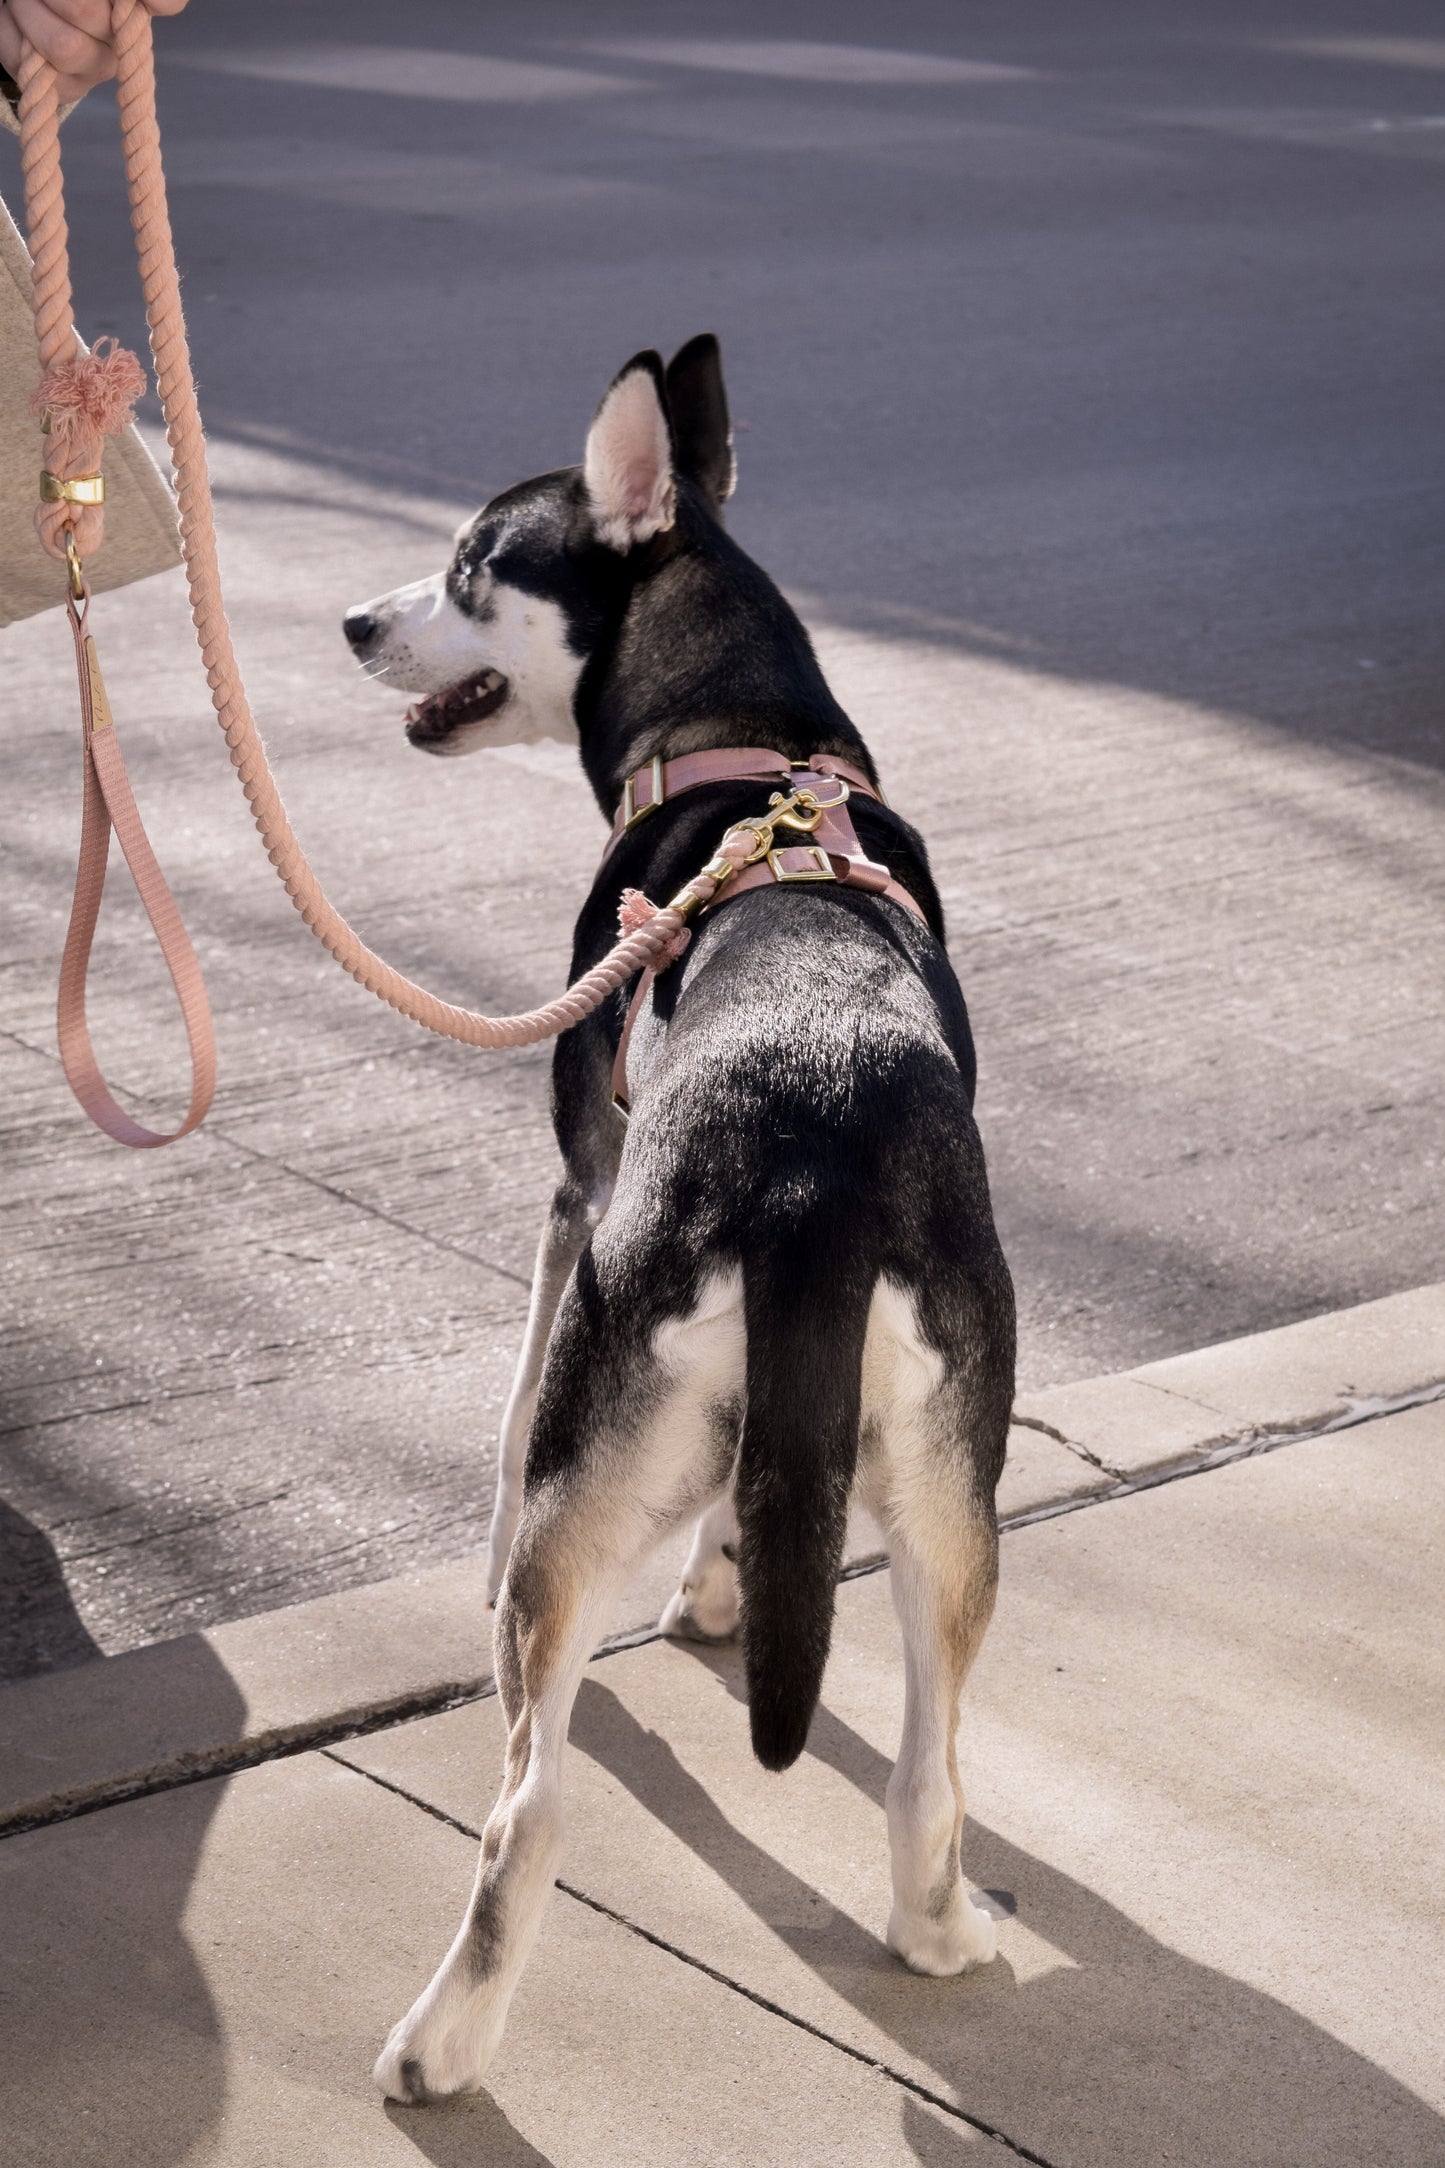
{"type": "Point", "coordinates": [722, 1979]}
{"type": "Point", "coordinates": [376, 1212]}
{"type": "Point", "coordinates": [1070, 1445]}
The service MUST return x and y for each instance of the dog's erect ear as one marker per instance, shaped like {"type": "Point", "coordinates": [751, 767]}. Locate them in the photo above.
{"type": "Point", "coordinates": [628, 464]}
{"type": "Point", "coordinates": [699, 408]}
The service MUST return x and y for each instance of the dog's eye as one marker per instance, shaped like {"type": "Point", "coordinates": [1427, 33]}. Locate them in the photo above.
{"type": "Point", "coordinates": [466, 579]}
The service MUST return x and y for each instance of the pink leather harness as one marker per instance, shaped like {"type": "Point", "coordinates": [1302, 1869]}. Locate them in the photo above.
{"type": "Point", "coordinates": [833, 853]}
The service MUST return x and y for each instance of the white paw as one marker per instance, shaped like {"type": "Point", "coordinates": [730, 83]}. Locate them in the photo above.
{"type": "Point", "coordinates": [703, 1611]}
{"type": "Point", "coordinates": [436, 2050]}
{"type": "Point", "coordinates": [965, 1937]}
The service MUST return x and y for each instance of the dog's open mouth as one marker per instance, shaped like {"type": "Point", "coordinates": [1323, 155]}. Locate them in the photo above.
{"type": "Point", "coordinates": [430, 722]}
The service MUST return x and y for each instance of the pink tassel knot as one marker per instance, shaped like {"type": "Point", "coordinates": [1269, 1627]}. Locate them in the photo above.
{"type": "Point", "coordinates": [635, 912]}
{"type": "Point", "coordinates": [92, 396]}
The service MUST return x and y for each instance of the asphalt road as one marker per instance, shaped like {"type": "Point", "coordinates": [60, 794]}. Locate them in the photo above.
{"type": "Point", "coordinates": [1087, 362]}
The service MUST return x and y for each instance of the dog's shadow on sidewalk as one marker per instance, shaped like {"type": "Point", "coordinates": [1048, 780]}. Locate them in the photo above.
{"type": "Point", "coordinates": [1153, 2055]}
{"type": "Point", "coordinates": [463, 2132]}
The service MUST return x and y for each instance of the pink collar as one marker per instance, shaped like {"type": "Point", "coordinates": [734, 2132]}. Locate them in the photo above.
{"type": "Point", "coordinates": [661, 780]}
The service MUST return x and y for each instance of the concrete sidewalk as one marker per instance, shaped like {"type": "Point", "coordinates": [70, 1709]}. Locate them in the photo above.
{"type": "Point", "coordinates": [1202, 1754]}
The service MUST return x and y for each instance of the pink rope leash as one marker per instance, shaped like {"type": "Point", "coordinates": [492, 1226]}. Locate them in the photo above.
{"type": "Point", "coordinates": [88, 397]}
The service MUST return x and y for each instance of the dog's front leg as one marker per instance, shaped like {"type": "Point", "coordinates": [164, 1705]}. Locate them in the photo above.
{"type": "Point", "coordinates": [549, 1620]}
{"type": "Point", "coordinates": [569, 1222]}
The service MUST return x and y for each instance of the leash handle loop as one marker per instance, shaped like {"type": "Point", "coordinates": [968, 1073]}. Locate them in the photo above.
{"type": "Point", "coordinates": [109, 803]}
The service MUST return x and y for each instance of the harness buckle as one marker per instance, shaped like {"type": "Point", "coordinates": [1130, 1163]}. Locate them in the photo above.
{"type": "Point", "coordinates": [632, 812]}
{"type": "Point", "coordinates": [820, 867]}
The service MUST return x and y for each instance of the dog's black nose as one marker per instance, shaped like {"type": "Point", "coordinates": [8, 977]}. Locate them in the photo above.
{"type": "Point", "coordinates": [359, 627]}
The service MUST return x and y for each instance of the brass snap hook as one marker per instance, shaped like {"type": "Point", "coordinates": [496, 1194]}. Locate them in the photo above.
{"type": "Point", "coordinates": [789, 815]}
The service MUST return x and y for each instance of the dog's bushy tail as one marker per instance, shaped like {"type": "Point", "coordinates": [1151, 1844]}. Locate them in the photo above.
{"type": "Point", "coordinates": [799, 1447]}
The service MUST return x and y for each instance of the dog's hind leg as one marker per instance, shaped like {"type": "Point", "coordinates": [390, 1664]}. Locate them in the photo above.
{"type": "Point", "coordinates": [704, 1607]}
{"type": "Point", "coordinates": [943, 1541]}
{"type": "Point", "coordinates": [933, 1926]}
{"type": "Point", "coordinates": [623, 1448]}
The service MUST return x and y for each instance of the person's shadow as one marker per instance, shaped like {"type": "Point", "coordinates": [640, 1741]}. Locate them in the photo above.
{"type": "Point", "coordinates": [40, 1628]}
{"type": "Point", "coordinates": [1129, 2053]}
{"type": "Point", "coordinates": [113, 2046]}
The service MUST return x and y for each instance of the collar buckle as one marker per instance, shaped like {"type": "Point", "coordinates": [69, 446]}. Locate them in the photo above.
{"type": "Point", "coordinates": [632, 812]}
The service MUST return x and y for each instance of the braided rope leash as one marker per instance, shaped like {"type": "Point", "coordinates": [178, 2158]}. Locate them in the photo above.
{"type": "Point", "coordinates": [86, 397]}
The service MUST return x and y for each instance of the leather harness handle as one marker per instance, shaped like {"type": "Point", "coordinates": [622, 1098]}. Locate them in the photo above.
{"type": "Point", "coordinates": [109, 803]}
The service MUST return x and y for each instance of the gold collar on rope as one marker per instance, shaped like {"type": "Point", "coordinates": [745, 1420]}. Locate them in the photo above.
{"type": "Point", "coordinates": [71, 489]}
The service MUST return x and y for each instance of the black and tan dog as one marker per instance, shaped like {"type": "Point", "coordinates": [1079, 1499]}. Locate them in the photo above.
{"type": "Point", "coordinates": [780, 1287]}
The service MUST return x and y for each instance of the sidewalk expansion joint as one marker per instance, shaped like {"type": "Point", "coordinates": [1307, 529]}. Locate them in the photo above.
{"type": "Point", "coordinates": [320, 1735]}
{"type": "Point", "coordinates": [722, 1979]}
{"type": "Point", "coordinates": [1248, 1446]}
{"type": "Point", "coordinates": [373, 1211]}
{"type": "Point", "coordinates": [312, 1738]}
{"type": "Point", "coordinates": [345, 1197]}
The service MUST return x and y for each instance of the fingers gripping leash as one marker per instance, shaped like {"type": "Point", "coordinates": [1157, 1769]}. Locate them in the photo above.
{"type": "Point", "coordinates": [84, 398]}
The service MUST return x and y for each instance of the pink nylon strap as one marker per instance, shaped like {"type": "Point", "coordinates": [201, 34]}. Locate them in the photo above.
{"type": "Point", "coordinates": [109, 803]}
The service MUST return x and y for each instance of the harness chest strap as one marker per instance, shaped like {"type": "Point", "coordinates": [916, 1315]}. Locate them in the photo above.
{"type": "Point", "coordinates": [834, 855]}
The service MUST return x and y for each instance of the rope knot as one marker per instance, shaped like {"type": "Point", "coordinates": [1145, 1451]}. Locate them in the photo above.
{"type": "Point", "coordinates": [92, 396]}
{"type": "Point", "coordinates": [636, 911]}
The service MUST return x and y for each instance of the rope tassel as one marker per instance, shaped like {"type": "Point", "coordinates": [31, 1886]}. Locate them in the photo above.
{"type": "Point", "coordinates": [92, 396]}
{"type": "Point", "coordinates": [82, 401]}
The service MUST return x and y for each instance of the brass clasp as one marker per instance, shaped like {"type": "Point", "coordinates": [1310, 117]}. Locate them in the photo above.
{"type": "Point", "coordinates": [814, 807]}
{"type": "Point", "coordinates": [803, 810]}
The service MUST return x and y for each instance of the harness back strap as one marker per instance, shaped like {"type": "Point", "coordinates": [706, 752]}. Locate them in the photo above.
{"type": "Point", "coordinates": [109, 803]}
{"type": "Point", "coordinates": [834, 855]}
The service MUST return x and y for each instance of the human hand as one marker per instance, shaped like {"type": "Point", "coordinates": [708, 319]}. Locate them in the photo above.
{"type": "Point", "coordinates": [73, 35]}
